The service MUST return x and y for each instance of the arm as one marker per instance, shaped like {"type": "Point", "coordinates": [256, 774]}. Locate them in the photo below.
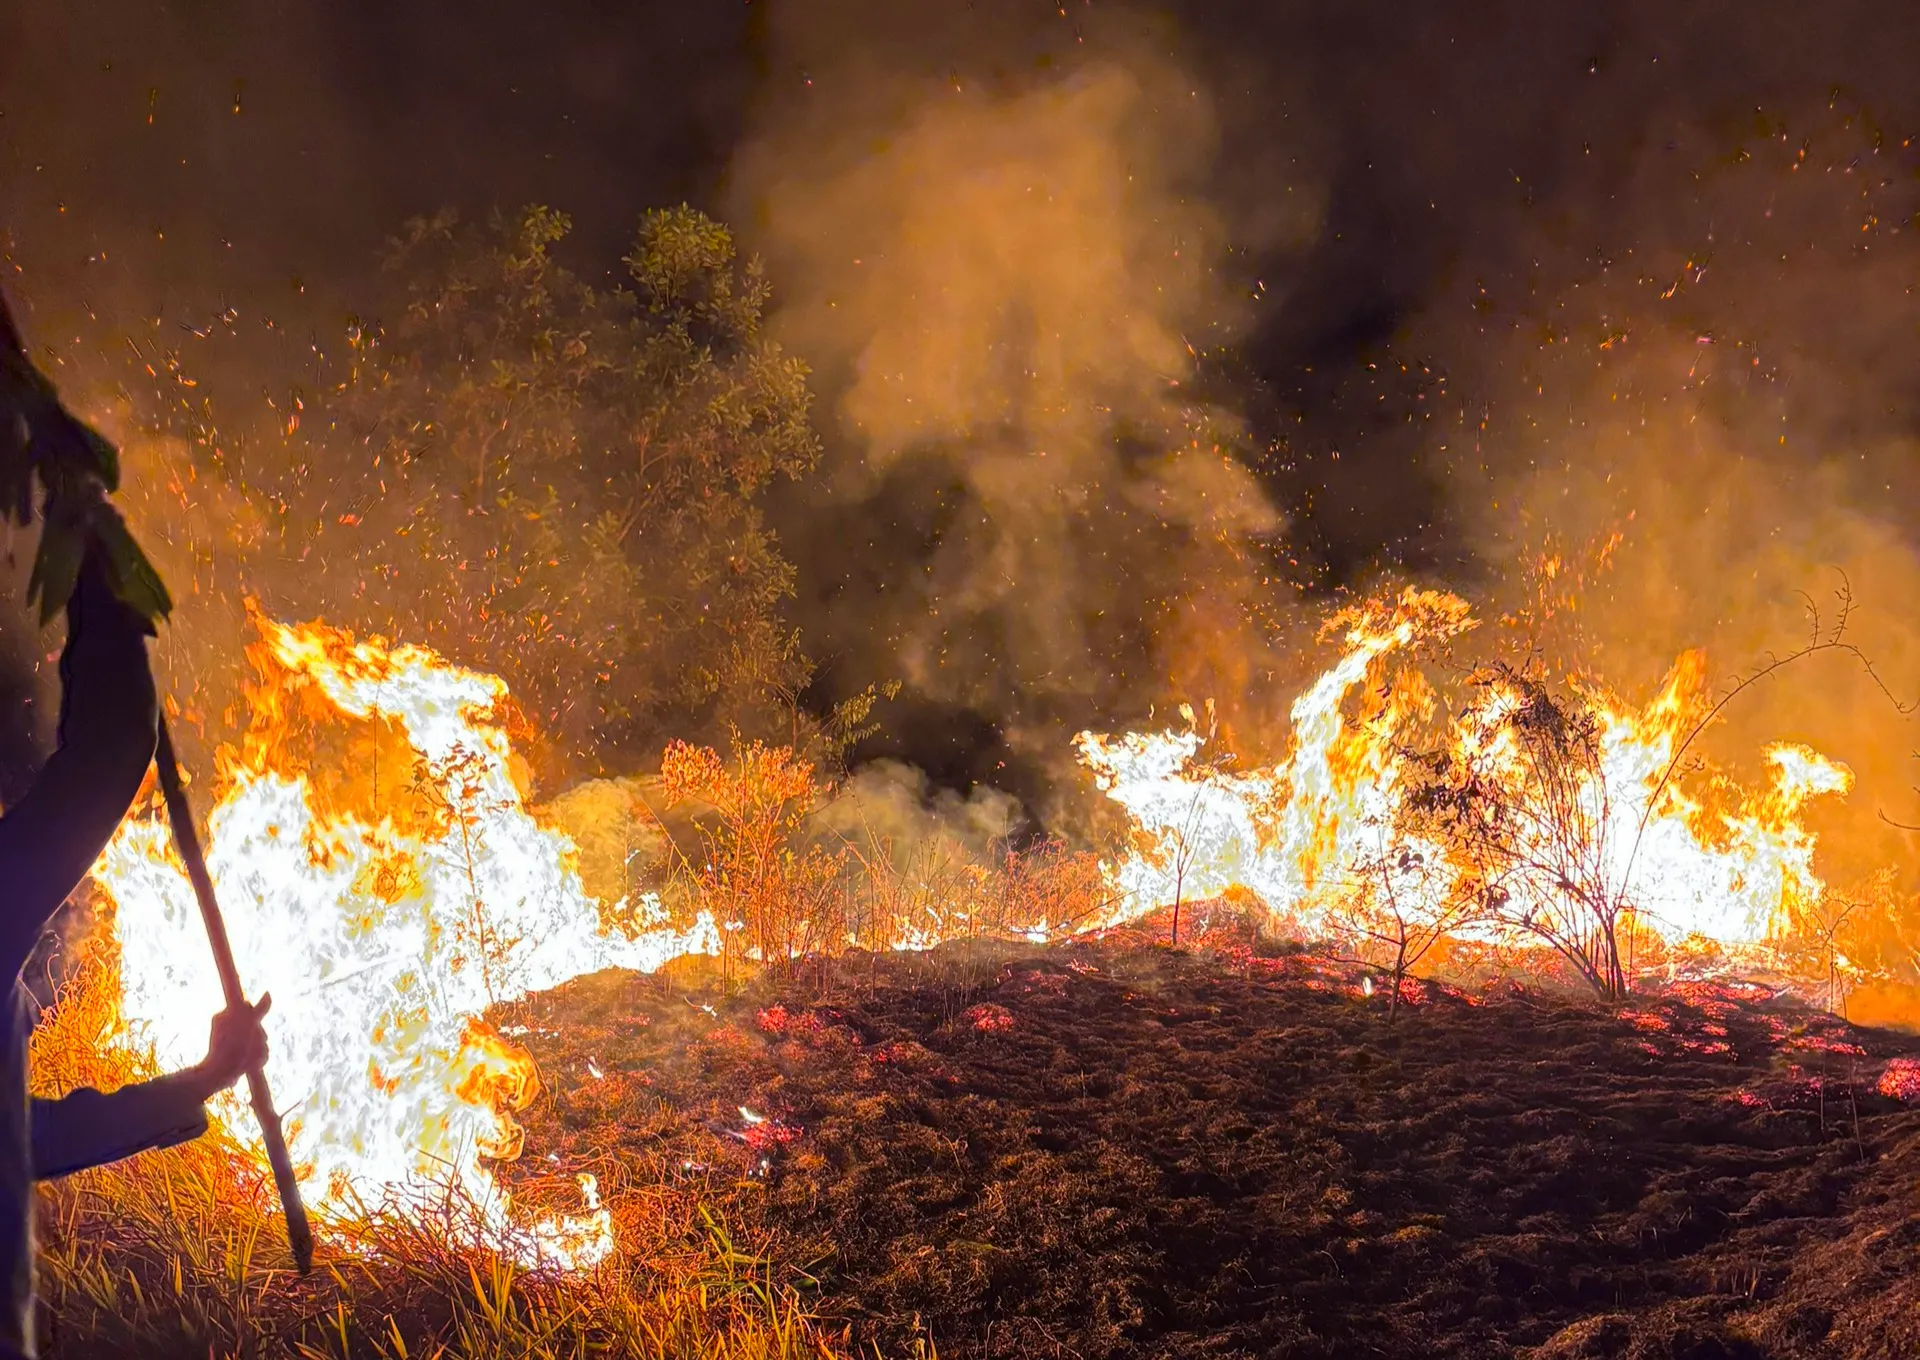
{"type": "Point", "coordinates": [87, 1129]}
{"type": "Point", "coordinates": [107, 724]}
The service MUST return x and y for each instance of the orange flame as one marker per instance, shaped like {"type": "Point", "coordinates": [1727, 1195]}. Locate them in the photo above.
{"type": "Point", "coordinates": [385, 880]}
{"type": "Point", "coordinates": [1297, 833]}
{"type": "Point", "coordinates": [383, 935]}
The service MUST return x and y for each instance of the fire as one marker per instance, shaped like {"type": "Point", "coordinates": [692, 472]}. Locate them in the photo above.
{"type": "Point", "coordinates": [1288, 832]}
{"type": "Point", "coordinates": [387, 882]}
{"type": "Point", "coordinates": [384, 928]}
{"type": "Point", "coordinates": [1572, 821]}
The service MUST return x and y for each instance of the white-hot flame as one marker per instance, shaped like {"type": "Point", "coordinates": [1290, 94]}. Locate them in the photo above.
{"type": "Point", "coordinates": [1304, 834]}
{"type": "Point", "coordinates": [383, 940]}
{"type": "Point", "coordinates": [386, 924]}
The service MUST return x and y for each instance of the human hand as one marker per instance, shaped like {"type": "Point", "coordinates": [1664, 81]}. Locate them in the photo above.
{"type": "Point", "coordinates": [237, 1044]}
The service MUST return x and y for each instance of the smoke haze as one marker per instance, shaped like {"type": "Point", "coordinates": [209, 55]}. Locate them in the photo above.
{"type": "Point", "coordinates": [1009, 289]}
{"type": "Point", "coordinates": [1138, 335]}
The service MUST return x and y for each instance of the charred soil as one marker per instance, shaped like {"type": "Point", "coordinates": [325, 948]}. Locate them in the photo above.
{"type": "Point", "coordinates": [1110, 1148]}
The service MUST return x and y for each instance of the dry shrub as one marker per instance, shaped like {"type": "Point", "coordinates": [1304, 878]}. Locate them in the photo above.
{"type": "Point", "coordinates": [1526, 820]}
{"type": "Point", "coordinates": [1382, 924]}
{"type": "Point", "coordinates": [1853, 940]}
{"type": "Point", "coordinates": [772, 894]}
{"type": "Point", "coordinates": [1050, 885]}
{"type": "Point", "coordinates": [936, 894]}
{"type": "Point", "coordinates": [928, 893]}
{"type": "Point", "coordinates": [780, 894]}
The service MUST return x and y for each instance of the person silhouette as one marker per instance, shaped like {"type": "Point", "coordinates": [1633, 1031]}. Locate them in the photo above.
{"type": "Point", "coordinates": [48, 842]}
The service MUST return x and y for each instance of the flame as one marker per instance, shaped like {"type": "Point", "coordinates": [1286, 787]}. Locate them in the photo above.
{"type": "Point", "coordinates": [1717, 863]}
{"type": "Point", "coordinates": [383, 935]}
{"type": "Point", "coordinates": [1285, 832]}
{"type": "Point", "coordinates": [384, 878]}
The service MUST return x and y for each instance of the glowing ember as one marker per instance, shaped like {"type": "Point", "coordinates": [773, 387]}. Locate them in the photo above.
{"type": "Point", "coordinates": [1901, 1080]}
{"type": "Point", "coordinates": [383, 927]}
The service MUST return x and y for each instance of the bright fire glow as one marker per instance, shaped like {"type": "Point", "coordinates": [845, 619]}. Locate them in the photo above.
{"type": "Point", "coordinates": [384, 923]}
{"type": "Point", "coordinates": [385, 880]}
{"type": "Point", "coordinates": [1710, 861]}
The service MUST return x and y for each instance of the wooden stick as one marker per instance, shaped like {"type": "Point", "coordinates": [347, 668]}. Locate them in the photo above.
{"type": "Point", "coordinates": [299, 1233]}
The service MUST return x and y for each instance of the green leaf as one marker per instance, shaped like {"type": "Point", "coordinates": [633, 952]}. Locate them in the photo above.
{"type": "Point", "coordinates": [106, 458]}
{"type": "Point", "coordinates": [56, 566]}
{"type": "Point", "coordinates": [132, 576]}
{"type": "Point", "coordinates": [41, 441]}
{"type": "Point", "coordinates": [16, 467]}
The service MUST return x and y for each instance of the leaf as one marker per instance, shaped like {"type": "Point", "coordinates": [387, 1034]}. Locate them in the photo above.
{"type": "Point", "coordinates": [132, 576]}
{"type": "Point", "coordinates": [41, 440]}
{"type": "Point", "coordinates": [16, 467]}
{"type": "Point", "coordinates": [56, 566]}
{"type": "Point", "coordinates": [106, 458]}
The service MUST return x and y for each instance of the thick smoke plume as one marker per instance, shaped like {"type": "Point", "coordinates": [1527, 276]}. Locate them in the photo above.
{"type": "Point", "coordinates": [1013, 287]}
{"type": "Point", "coordinates": [1035, 513]}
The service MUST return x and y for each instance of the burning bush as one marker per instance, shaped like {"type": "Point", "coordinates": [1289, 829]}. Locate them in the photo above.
{"type": "Point", "coordinates": [771, 894]}
{"type": "Point", "coordinates": [1525, 812]}
{"type": "Point", "coordinates": [1533, 815]}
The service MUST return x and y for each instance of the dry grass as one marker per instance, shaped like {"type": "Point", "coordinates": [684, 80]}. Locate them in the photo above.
{"type": "Point", "coordinates": [178, 1254]}
{"type": "Point", "coordinates": [160, 1263]}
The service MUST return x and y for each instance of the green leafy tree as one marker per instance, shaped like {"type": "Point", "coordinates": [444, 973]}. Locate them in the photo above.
{"type": "Point", "coordinates": [563, 482]}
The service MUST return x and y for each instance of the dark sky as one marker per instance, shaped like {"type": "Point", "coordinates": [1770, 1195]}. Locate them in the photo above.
{"type": "Point", "coordinates": [220, 153]}
{"type": "Point", "coordinates": [283, 139]}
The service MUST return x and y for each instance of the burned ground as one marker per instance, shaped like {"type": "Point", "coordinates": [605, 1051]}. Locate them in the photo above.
{"type": "Point", "coordinates": [1112, 1149]}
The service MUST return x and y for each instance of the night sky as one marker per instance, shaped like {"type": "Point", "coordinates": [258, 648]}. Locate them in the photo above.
{"type": "Point", "coordinates": [275, 145]}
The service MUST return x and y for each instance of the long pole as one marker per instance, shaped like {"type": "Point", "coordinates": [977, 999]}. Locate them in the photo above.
{"type": "Point", "coordinates": [299, 1233]}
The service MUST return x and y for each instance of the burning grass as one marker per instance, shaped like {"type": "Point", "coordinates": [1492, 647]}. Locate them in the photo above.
{"type": "Point", "coordinates": [180, 1254]}
{"type": "Point", "coordinates": [980, 1096]}
{"type": "Point", "coordinates": [176, 1258]}
{"type": "Point", "coordinates": [1103, 1148]}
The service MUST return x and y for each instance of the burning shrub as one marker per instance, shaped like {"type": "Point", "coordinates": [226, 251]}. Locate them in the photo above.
{"type": "Point", "coordinates": [1526, 813]}
{"type": "Point", "coordinates": [771, 894]}
{"type": "Point", "coordinates": [1537, 821]}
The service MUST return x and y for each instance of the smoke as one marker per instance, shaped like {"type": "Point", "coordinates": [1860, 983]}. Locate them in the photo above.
{"type": "Point", "coordinates": [1035, 511]}
{"type": "Point", "coordinates": [1716, 369]}
{"type": "Point", "coordinates": [1131, 331]}
{"type": "Point", "coordinates": [892, 810]}
{"type": "Point", "coordinates": [622, 851]}
{"type": "Point", "coordinates": [1647, 276]}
